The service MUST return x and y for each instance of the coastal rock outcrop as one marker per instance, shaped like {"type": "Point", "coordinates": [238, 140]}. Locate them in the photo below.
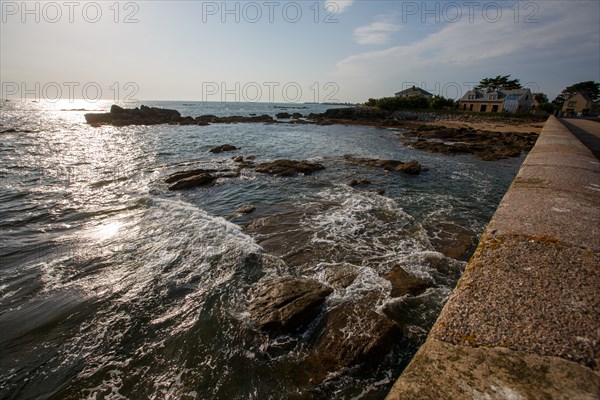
{"type": "Point", "coordinates": [284, 305]}
{"type": "Point", "coordinates": [486, 145]}
{"type": "Point", "coordinates": [412, 167]}
{"type": "Point", "coordinates": [288, 167]}
{"type": "Point", "coordinates": [143, 115]}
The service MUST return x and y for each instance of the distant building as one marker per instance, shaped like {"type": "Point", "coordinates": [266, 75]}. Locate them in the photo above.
{"type": "Point", "coordinates": [495, 101]}
{"type": "Point", "coordinates": [414, 92]}
{"type": "Point", "coordinates": [578, 103]}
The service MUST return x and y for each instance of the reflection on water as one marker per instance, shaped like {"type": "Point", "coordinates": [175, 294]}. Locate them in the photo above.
{"type": "Point", "coordinates": [112, 286]}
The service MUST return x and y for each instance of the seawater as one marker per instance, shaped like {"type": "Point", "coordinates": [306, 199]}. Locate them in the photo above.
{"type": "Point", "coordinates": [111, 286]}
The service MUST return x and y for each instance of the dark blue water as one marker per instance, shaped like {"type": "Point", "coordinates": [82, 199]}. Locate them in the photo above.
{"type": "Point", "coordinates": [113, 287]}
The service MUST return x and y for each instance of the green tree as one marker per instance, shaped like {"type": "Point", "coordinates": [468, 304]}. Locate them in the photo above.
{"type": "Point", "coordinates": [499, 82]}
{"type": "Point", "coordinates": [439, 102]}
{"type": "Point", "coordinates": [589, 88]}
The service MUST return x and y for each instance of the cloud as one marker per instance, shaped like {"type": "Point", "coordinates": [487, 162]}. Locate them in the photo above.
{"type": "Point", "coordinates": [338, 5]}
{"type": "Point", "coordinates": [477, 44]}
{"type": "Point", "coordinates": [549, 52]}
{"type": "Point", "coordinates": [375, 33]}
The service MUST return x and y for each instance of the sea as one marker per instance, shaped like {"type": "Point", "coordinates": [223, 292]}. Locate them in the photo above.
{"type": "Point", "coordinates": [114, 287]}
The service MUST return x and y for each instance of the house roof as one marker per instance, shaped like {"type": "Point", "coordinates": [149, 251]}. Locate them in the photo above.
{"type": "Point", "coordinates": [414, 89]}
{"type": "Point", "coordinates": [585, 96]}
{"type": "Point", "coordinates": [499, 95]}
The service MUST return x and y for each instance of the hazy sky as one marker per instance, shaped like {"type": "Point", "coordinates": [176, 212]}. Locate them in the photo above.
{"type": "Point", "coordinates": [310, 50]}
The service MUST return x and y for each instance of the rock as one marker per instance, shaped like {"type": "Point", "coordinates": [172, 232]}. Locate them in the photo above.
{"type": "Point", "coordinates": [412, 167]}
{"type": "Point", "coordinates": [404, 283]}
{"type": "Point", "coordinates": [297, 115]}
{"type": "Point", "coordinates": [284, 305]}
{"type": "Point", "coordinates": [246, 210]}
{"type": "Point", "coordinates": [486, 145]}
{"type": "Point", "coordinates": [283, 115]}
{"type": "Point", "coordinates": [351, 334]}
{"type": "Point", "coordinates": [13, 130]}
{"type": "Point", "coordinates": [193, 181]}
{"type": "Point", "coordinates": [340, 276]}
{"type": "Point", "coordinates": [186, 174]}
{"type": "Point", "coordinates": [222, 148]}
{"type": "Point", "coordinates": [288, 167]}
{"type": "Point", "coordinates": [359, 182]}
{"type": "Point", "coordinates": [451, 240]}
{"type": "Point", "coordinates": [144, 115]}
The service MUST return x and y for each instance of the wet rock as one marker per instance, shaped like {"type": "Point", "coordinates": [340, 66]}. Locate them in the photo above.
{"type": "Point", "coordinates": [246, 210]}
{"type": "Point", "coordinates": [284, 305]}
{"type": "Point", "coordinates": [340, 276]}
{"type": "Point", "coordinates": [486, 145]}
{"type": "Point", "coordinates": [193, 181]}
{"type": "Point", "coordinates": [359, 182]}
{"type": "Point", "coordinates": [222, 148]}
{"type": "Point", "coordinates": [288, 167]}
{"type": "Point", "coordinates": [451, 240]}
{"type": "Point", "coordinates": [404, 283]}
{"type": "Point", "coordinates": [13, 130]}
{"type": "Point", "coordinates": [283, 115]}
{"type": "Point", "coordinates": [186, 174]}
{"type": "Point", "coordinates": [297, 115]}
{"type": "Point", "coordinates": [351, 334]}
{"type": "Point", "coordinates": [412, 167]}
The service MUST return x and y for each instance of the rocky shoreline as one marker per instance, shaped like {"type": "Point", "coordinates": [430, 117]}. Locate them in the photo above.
{"type": "Point", "coordinates": [417, 131]}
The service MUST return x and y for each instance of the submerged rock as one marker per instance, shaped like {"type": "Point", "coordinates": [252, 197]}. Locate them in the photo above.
{"type": "Point", "coordinates": [193, 181]}
{"type": "Point", "coordinates": [186, 174]}
{"type": "Point", "coordinates": [288, 167]}
{"type": "Point", "coordinates": [287, 304]}
{"type": "Point", "coordinates": [222, 148]}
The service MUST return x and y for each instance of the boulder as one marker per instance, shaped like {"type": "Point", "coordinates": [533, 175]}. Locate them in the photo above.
{"type": "Point", "coordinates": [351, 334]}
{"type": "Point", "coordinates": [288, 167]}
{"type": "Point", "coordinates": [284, 305]}
{"type": "Point", "coordinates": [404, 283]}
{"type": "Point", "coordinates": [283, 115]}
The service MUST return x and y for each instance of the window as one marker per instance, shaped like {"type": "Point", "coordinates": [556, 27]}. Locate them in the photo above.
{"type": "Point", "coordinates": [470, 107]}
{"type": "Point", "coordinates": [493, 96]}
{"type": "Point", "coordinates": [495, 108]}
{"type": "Point", "coordinates": [483, 108]}
{"type": "Point", "coordinates": [471, 97]}
{"type": "Point", "coordinates": [572, 104]}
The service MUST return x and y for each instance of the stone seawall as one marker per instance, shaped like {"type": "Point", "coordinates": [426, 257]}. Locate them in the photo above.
{"type": "Point", "coordinates": [524, 319]}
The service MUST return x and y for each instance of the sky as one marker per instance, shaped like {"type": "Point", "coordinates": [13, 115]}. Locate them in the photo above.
{"type": "Point", "coordinates": [290, 51]}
